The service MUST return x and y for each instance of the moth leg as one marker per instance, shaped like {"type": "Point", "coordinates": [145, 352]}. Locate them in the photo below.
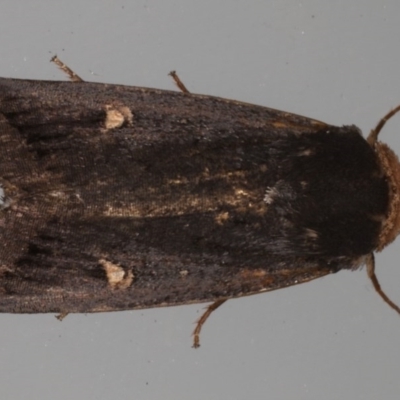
{"type": "Point", "coordinates": [370, 261]}
{"type": "Point", "coordinates": [178, 82]}
{"type": "Point", "coordinates": [61, 316]}
{"type": "Point", "coordinates": [203, 319]}
{"type": "Point", "coordinates": [71, 74]}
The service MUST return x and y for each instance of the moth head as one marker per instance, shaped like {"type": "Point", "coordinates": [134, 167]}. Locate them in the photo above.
{"type": "Point", "coordinates": [391, 168]}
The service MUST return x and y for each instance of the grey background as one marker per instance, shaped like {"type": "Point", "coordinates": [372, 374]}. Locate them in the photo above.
{"type": "Point", "coordinates": [333, 338]}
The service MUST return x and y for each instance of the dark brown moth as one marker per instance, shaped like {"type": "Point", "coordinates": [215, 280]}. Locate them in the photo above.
{"type": "Point", "coordinates": [117, 198]}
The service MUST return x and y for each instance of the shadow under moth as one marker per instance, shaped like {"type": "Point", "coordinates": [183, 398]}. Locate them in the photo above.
{"type": "Point", "coordinates": [116, 197]}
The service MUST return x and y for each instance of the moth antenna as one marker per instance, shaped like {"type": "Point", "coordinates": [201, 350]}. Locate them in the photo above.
{"type": "Point", "coordinates": [370, 262]}
{"type": "Point", "coordinates": [373, 136]}
{"type": "Point", "coordinates": [71, 74]}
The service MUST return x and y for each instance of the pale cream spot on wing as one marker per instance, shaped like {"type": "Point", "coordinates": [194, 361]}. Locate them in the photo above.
{"type": "Point", "coordinates": [117, 277]}
{"type": "Point", "coordinates": [117, 116]}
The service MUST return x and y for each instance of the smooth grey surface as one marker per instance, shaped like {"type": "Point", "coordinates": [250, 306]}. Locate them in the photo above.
{"type": "Point", "coordinates": [333, 338]}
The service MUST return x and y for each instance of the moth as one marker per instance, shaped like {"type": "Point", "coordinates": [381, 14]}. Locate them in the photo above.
{"type": "Point", "coordinates": [117, 198]}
